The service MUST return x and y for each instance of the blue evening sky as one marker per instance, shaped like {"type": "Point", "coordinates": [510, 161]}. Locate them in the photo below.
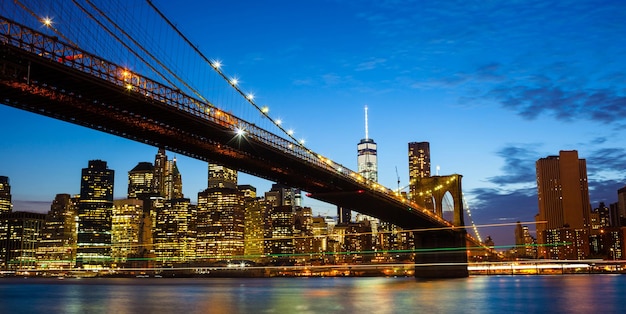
{"type": "Point", "coordinates": [492, 85]}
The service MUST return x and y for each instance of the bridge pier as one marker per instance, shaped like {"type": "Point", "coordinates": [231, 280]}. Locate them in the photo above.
{"type": "Point", "coordinates": [441, 254]}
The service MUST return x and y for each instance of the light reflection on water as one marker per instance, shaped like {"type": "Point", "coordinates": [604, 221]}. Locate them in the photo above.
{"type": "Point", "coordinates": [481, 294]}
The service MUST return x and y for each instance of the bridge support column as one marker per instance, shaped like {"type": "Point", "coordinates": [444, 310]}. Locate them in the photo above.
{"type": "Point", "coordinates": [441, 254]}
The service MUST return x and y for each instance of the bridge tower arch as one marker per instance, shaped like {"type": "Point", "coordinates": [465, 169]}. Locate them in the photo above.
{"type": "Point", "coordinates": [441, 253]}
{"type": "Point", "coordinates": [435, 188]}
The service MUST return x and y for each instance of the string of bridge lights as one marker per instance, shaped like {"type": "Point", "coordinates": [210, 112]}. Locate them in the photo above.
{"type": "Point", "coordinates": [233, 81]}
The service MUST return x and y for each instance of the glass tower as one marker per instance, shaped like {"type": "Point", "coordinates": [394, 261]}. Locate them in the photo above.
{"type": "Point", "coordinates": [94, 215]}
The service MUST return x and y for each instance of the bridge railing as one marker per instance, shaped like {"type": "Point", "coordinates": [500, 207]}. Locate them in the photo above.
{"type": "Point", "coordinates": [54, 50]}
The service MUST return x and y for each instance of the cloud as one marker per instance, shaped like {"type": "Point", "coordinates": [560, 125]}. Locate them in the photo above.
{"type": "Point", "coordinates": [607, 159]}
{"type": "Point", "coordinates": [370, 64]}
{"type": "Point", "coordinates": [519, 165]}
{"type": "Point", "coordinates": [563, 95]}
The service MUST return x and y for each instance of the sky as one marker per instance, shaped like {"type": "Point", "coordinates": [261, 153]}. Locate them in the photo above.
{"type": "Point", "coordinates": [492, 85]}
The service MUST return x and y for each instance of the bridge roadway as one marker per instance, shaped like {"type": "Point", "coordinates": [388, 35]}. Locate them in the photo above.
{"type": "Point", "coordinates": [42, 75]}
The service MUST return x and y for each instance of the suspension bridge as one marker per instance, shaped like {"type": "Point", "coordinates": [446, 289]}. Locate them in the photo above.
{"type": "Point", "coordinates": [49, 66]}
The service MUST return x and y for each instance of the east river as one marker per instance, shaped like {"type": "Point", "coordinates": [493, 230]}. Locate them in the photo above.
{"type": "Point", "coordinates": [579, 293]}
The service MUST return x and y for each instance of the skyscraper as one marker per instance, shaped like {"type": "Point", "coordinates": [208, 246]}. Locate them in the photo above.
{"type": "Point", "coordinates": [367, 155]}
{"type": "Point", "coordinates": [5, 195]}
{"type": "Point", "coordinates": [126, 230]}
{"type": "Point", "coordinates": [367, 164]}
{"type": "Point", "coordinates": [220, 223]}
{"type": "Point", "coordinates": [174, 232]}
{"type": "Point", "coordinates": [564, 208]}
{"type": "Point", "coordinates": [221, 177]}
{"type": "Point", "coordinates": [19, 239]}
{"type": "Point", "coordinates": [256, 222]}
{"type": "Point", "coordinates": [419, 160]}
{"type": "Point", "coordinates": [419, 167]}
{"type": "Point", "coordinates": [94, 215]}
{"type": "Point", "coordinates": [58, 236]}
{"type": "Point", "coordinates": [141, 183]}
{"type": "Point", "coordinates": [167, 179]}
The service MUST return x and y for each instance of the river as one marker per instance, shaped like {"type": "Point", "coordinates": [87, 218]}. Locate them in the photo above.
{"type": "Point", "coordinates": [477, 294]}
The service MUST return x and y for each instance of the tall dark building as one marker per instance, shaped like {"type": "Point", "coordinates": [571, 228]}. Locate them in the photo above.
{"type": "Point", "coordinates": [94, 215]}
{"type": "Point", "coordinates": [5, 195]}
{"type": "Point", "coordinates": [564, 207]}
{"type": "Point", "coordinates": [419, 167]}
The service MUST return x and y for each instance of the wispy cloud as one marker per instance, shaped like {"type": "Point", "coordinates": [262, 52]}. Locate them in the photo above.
{"type": "Point", "coordinates": [519, 165]}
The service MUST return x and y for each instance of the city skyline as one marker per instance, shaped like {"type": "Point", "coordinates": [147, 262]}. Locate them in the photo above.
{"type": "Point", "coordinates": [492, 88]}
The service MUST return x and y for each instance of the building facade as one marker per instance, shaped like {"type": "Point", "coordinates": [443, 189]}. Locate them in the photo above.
{"type": "Point", "coordinates": [419, 167]}
{"type": "Point", "coordinates": [5, 195]}
{"type": "Point", "coordinates": [95, 208]}
{"type": "Point", "coordinates": [563, 219]}
{"type": "Point", "coordinates": [20, 233]}
{"type": "Point", "coordinates": [57, 248]}
{"type": "Point", "coordinates": [220, 222]}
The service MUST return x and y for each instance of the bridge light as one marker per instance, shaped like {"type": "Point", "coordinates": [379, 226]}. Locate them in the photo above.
{"type": "Point", "coordinates": [302, 141]}
{"type": "Point", "coordinates": [240, 132]}
{"type": "Point", "coordinates": [250, 96]}
{"type": "Point", "coordinates": [129, 87]}
{"type": "Point", "coordinates": [46, 21]}
{"type": "Point", "coordinates": [290, 132]}
{"type": "Point", "coordinates": [278, 121]}
{"type": "Point", "coordinates": [217, 64]}
{"type": "Point", "coordinates": [265, 109]}
{"type": "Point", "coordinates": [234, 81]}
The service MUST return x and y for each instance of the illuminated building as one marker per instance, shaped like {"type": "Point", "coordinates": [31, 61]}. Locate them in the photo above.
{"type": "Point", "coordinates": [281, 244]}
{"type": "Point", "coordinates": [174, 234]}
{"type": "Point", "coordinates": [127, 222]}
{"type": "Point", "coordinates": [142, 186]}
{"type": "Point", "coordinates": [367, 165]}
{"type": "Point", "coordinates": [94, 215]}
{"type": "Point", "coordinates": [355, 238]}
{"type": "Point", "coordinates": [605, 240]}
{"type": "Point", "coordinates": [19, 238]}
{"type": "Point", "coordinates": [221, 177]}
{"type": "Point", "coordinates": [220, 223]}
{"type": "Point", "coordinates": [525, 244]}
{"type": "Point", "coordinates": [367, 156]}
{"type": "Point", "coordinates": [563, 218]}
{"type": "Point", "coordinates": [57, 249]}
{"type": "Point", "coordinates": [320, 231]}
{"type": "Point", "coordinates": [141, 183]}
{"type": "Point", "coordinates": [5, 195]}
{"type": "Point", "coordinates": [419, 167]}
{"type": "Point", "coordinates": [167, 179]}
{"type": "Point", "coordinates": [256, 222]}
{"type": "Point", "coordinates": [281, 195]}
{"type": "Point", "coordinates": [303, 230]}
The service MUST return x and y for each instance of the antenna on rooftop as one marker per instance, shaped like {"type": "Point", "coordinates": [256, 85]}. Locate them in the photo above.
{"type": "Point", "coordinates": [366, 128]}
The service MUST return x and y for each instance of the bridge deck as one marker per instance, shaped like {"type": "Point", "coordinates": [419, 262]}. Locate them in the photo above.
{"type": "Point", "coordinates": [48, 86]}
